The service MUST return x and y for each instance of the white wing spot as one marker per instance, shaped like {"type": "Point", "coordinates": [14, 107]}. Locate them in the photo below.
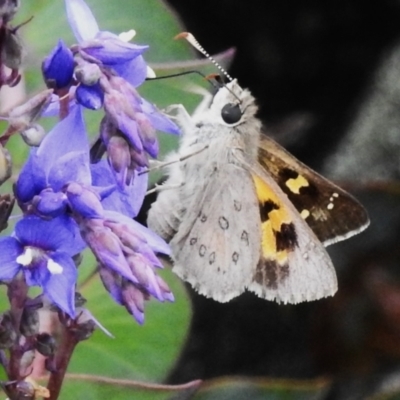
{"type": "Point", "coordinates": [305, 214]}
{"type": "Point", "coordinates": [335, 195]}
{"type": "Point", "coordinates": [330, 206]}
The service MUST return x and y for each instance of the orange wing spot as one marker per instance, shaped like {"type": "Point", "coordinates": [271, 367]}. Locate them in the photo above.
{"type": "Point", "coordinates": [277, 216]}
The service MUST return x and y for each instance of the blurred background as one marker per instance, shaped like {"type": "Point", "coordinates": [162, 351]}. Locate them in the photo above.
{"type": "Point", "coordinates": [327, 79]}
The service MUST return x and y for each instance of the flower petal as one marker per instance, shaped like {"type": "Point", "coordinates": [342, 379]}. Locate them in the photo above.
{"type": "Point", "coordinates": [37, 274]}
{"type": "Point", "coordinates": [29, 183]}
{"type": "Point", "coordinates": [133, 71]}
{"type": "Point", "coordinates": [81, 20]}
{"type": "Point", "coordinates": [59, 233]}
{"type": "Point", "coordinates": [160, 121]}
{"type": "Point", "coordinates": [10, 249]}
{"type": "Point", "coordinates": [128, 201]}
{"type": "Point", "coordinates": [110, 49]}
{"type": "Point", "coordinates": [90, 97]}
{"type": "Point", "coordinates": [60, 287]}
{"type": "Point", "coordinates": [51, 204]}
{"type": "Point", "coordinates": [63, 155]}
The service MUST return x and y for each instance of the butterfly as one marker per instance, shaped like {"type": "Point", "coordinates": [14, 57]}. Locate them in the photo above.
{"type": "Point", "coordinates": [241, 213]}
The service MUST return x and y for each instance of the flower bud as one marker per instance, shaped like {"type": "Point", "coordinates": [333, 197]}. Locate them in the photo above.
{"type": "Point", "coordinates": [29, 325]}
{"type": "Point", "coordinates": [106, 246]}
{"type": "Point", "coordinates": [147, 134]}
{"type": "Point", "coordinates": [83, 330]}
{"type": "Point", "coordinates": [6, 206]}
{"type": "Point", "coordinates": [45, 344]}
{"type": "Point", "coordinates": [21, 117]}
{"type": "Point", "coordinates": [25, 389]}
{"type": "Point", "coordinates": [8, 9]}
{"type": "Point", "coordinates": [58, 67]}
{"type": "Point", "coordinates": [138, 159]}
{"type": "Point", "coordinates": [26, 361]}
{"type": "Point", "coordinates": [5, 165]}
{"type": "Point", "coordinates": [8, 336]}
{"type": "Point", "coordinates": [12, 51]}
{"type": "Point", "coordinates": [91, 97]}
{"type": "Point", "coordinates": [83, 201]}
{"type": "Point", "coordinates": [33, 135]}
{"type": "Point", "coordinates": [133, 300]}
{"type": "Point", "coordinates": [29, 389]}
{"type": "Point", "coordinates": [119, 158]}
{"type": "Point", "coordinates": [87, 73]}
{"type": "Point", "coordinates": [107, 130]}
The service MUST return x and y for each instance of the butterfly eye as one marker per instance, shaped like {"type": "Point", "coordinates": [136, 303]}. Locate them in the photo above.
{"type": "Point", "coordinates": [231, 113]}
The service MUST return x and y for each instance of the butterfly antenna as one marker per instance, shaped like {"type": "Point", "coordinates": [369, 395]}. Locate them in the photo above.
{"type": "Point", "coordinates": [193, 41]}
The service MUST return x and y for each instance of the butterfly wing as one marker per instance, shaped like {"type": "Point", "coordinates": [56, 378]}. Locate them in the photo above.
{"type": "Point", "coordinates": [166, 212]}
{"type": "Point", "coordinates": [294, 265]}
{"type": "Point", "coordinates": [217, 246]}
{"type": "Point", "coordinates": [331, 213]}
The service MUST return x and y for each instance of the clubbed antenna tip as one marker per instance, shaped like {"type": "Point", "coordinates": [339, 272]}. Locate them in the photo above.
{"type": "Point", "coordinates": [193, 41]}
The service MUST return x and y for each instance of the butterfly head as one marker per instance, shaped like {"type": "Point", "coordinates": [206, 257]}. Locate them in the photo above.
{"type": "Point", "coordinates": [233, 105]}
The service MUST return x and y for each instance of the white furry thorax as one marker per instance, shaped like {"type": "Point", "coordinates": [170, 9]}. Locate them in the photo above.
{"type": "Point", "coordinates": [210, 128]}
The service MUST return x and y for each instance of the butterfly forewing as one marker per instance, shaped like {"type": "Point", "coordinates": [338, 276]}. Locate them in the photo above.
{"type": "Point", "coordinates": [217, 248]}
{"type": "Point", "coordinates": [331, 213]}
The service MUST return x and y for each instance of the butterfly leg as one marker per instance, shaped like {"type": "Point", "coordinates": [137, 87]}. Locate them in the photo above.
{"type": "Point", "coordinates": [159, 188]}
{"type": "Point", "coordinates": [179, 113]}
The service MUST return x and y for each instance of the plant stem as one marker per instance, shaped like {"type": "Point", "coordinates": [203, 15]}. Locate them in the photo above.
{"type": "Point", "coordinates": [63, 356]}
{"type": "Point", "coordinates": [17, 294]}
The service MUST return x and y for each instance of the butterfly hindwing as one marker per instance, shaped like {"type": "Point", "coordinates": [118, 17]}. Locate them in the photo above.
{"type": "Point", "coordinates": [331, 213]}
{"type": "Point", "coordinates": [217, 248]}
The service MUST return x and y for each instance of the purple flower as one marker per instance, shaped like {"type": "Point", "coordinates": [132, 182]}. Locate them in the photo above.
{"type": "Point", "coordinates": [127, 113]}
{"type": "Point", "coordinates": [42, 251]}
{"type": "Point", "coordinates": [107, 69]}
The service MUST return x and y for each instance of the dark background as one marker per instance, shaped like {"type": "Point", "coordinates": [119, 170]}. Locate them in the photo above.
{"type": "Point", "coordinates": [325, 76]}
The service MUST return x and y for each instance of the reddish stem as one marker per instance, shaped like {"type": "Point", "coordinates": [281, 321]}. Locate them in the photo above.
{"type": "Point", "coordinates": [62, 358]}
{"type": "Point", "coordinates": [64, 103]}
{"type": "Point", "coordinates": [17, 293]}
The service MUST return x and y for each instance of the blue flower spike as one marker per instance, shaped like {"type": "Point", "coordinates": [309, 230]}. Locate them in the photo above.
{"type": "Point", "coordinates": [109, 68]}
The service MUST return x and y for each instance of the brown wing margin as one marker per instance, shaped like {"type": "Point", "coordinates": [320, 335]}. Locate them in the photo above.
{"type": "Point", "coordinates": [331, 213]}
